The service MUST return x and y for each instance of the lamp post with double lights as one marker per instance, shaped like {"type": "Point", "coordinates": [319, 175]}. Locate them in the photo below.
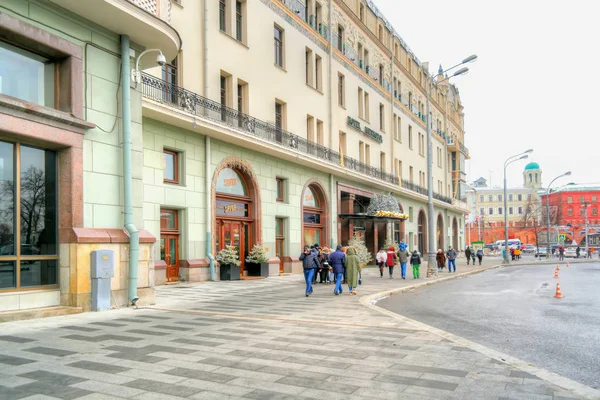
{"type": "Point", "coordinates": [430, 219]}
{"type": "Point", "coordinates": [548, 212]}
{"type": "Point", "coordinates": [510, 160]}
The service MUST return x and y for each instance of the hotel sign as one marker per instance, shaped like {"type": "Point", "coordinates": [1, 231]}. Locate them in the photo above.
{"type": "Point", "coordinates": [367, 132]}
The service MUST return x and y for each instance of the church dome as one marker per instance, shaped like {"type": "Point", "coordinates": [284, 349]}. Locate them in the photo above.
{"type": "Point", "coordinates": [532, 165]}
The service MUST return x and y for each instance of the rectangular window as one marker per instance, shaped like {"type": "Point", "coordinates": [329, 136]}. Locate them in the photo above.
{"type": "Point", "coordinates": [169, 75]}
{"type": "Point", "coordinates": [280, 120]}
{"type": "Point", "coordinates": [342, 144]}
{"type": "Point", "coordinates": [29, 221]}
{"type": "Point", "coordinates": [381, 117]}
{"type": "Point", "coordinates": [570, 212]}
{"type": "Point", "coordinates": [341, 90]}
{"type": "Point", "coordinates": [510, 210]}
{"type": "Point", "coordinates": [242, 101]}
{"type": "Point", "coordinates": [398, 164]}
{"type": "Point", "coordinates": [410, 213]}
{"type": "Point", "coordinates": [26, 76]}
{"type": "Point", "coordinates": [510, 197]}
{"type": "Point", "coordinates": [490, 198]}
{"type": "Point", "coordinates": [361, 106]}
{"type": "Point", "coordinates": [594, 211]}
{"type": "Point", "coordinates": [593, 199]}
{"type": "Point", "coordinates": [499, 197]}
{"type": "Point", "coordinates": [439, 157]}
{"type": "Point", "coordinates": [278, 44]}
{"type": "Point", "coordinates": [239, 21]}
{"type": "Point", "coordinates": [410, 141]}
{"type": "Point", "coordinates": [482, 211]}
{"type": "Point", "coordinates": [367, 114]}
{"type": "Point", "coordinates": [367, 154]}
{"type": "Point", "coordinates": [410, 174]}
{"type": "Point", "coordinates": [361, 151]}
{"type": "Point", "coordinates": [309, 67]}
{"type": "Point", "coordinates": [171, 171]}
{"type": "Point", "coordinates": [481, 198]}
{"type": "Point", "coordinates": [318, 74]}
{"type": "Point", "coordinates": [581, 199]}
{"type": "Point", "coordinates": [310, 128]}
{"type": "Point", "coordinates": [225, 96]}
{"type": "Point", "coordinates": [320, 132]}
{"type": "Point", "coordinates": [280, 189]}
{"type": "Point", "coordinates": [499, 210]}
{"type": "Point", "coordinates": [382, 161]}
{"type": "Point", "coordinates": [520, 210]}
{"type": "Point", "coordinates": [490, 211]}
{"type": "Point", "coordinates": [223, 15]}
{"type": "Point", "coordinates": [340, 37]}
{"type": "Point", "coordinates": [569, 200]}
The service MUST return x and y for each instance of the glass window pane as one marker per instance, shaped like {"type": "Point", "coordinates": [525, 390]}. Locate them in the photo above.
{"type": "Point", "coordinates": [168, 220]}
{"type": "Point", "coordinates": [7, 201]}
{"type": "Point", "coordinates": [310, 198]}
{"type": "Point", "coordinates": [230, 182]}
{"type": "Point", "coordinates": [39, 272]}
{"type": "Point", "coordinates": [38, 202]}
{"type": "Point", "coordinates": [8, 277]}
{"type": "Point", "coordinates": [169, 166]}
{"type": "Point", "coordinates": [312, 218]}
{"type": "Point", "coordinates": [26, 76]}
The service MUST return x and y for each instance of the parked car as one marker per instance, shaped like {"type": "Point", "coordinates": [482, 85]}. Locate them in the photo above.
{"type": "Point", "coordinates": [528, 248]}
{"type": "Point", "coordinates": [491, 246]}
{"type": "Point", "coordinates": [571, 252]}
{"type": "Point", "coordinates": [541, 252]}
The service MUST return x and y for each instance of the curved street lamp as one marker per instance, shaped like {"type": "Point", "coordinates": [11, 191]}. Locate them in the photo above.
{"type": "Point", "coordinates": [568, 173]}
{"type": "Point", "coordinates": [510, 160]}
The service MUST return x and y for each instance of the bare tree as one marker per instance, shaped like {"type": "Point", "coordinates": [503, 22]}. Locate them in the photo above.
{"type": "Point", "coordinates": [532, 215]}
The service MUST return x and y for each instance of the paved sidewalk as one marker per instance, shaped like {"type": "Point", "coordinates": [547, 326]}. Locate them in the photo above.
{"type": "Point", "coordinates": [260, 339]}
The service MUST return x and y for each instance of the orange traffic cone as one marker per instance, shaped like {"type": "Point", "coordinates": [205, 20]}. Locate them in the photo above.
{"type": "Point", "coordinates": [558, 294]}
{"type": "Point", "coordinates": [557, 268]}
{"type": "Point", "coordinates": [555, 274]}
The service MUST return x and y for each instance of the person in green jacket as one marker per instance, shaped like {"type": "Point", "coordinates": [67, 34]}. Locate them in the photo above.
{"type": "Point", "coordinates": [352, 268]}
{"type": "Point", "coordinates": [415, 261]}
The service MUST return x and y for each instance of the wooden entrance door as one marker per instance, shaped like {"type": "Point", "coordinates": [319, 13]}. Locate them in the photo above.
{"type": "Point", "coordinates": [279, 242]}
{"type": "Point", "coordinates": [169, 242]}
{"type": "Point", "coordinates": [236, 234]}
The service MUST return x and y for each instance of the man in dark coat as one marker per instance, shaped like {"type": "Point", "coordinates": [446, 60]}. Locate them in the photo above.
{"type": "Point", "coordinates": [337, 261]}
{"type": "Point", "coordinates": [310, 262]}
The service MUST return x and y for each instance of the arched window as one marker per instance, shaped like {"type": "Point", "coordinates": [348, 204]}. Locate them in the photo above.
{"type": "Point", "coordinates": [313, 216]}
{"type": "Point", "coordinates": [231, 182]}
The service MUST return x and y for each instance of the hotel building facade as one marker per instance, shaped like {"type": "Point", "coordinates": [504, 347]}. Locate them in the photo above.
{"type": "Point", "coordinates": [267, 121]}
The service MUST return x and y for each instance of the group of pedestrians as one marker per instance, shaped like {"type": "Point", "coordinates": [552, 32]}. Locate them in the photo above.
{"type": "Point", "coordinates": [472, 254]}
{"type": "Point", "coordinates": [390, 258]}
{"type": "Point", "coordinates": [341, 265]}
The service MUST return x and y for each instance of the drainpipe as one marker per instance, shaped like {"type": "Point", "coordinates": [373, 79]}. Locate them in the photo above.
{"type": "Point", "coordinates": [207, 155]}
{"type": "Point", "coordinates": [333, 197]}
{"type": "Point", "coordinates": [330, 76]}
{"type": "Point", "coordinates": [134, 235]}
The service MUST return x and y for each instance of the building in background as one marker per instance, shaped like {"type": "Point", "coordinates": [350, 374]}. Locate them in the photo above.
{"type": "Point", "coordinates": [275, 118]}
{"type": "Point", "coordinates": [486, 220]}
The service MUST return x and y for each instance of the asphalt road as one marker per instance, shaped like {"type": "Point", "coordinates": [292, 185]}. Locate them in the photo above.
{"type": "Point", "coordinates": [513, 310]}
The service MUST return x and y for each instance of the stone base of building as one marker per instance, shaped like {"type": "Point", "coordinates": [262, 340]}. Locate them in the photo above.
{"type": "Point", "coordinates": [29, 299]}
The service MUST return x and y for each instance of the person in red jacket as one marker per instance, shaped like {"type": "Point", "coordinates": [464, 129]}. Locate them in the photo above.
{"type": "Point", "coordinates": [391, 260]}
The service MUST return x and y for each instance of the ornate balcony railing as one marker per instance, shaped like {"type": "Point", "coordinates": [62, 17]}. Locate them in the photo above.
{"type": "Point", "coordinates": [296, 7]}
{"type": "Point", "coordinates": [192, 103]}
{"type": "Point", "coordinates": [158, 8]}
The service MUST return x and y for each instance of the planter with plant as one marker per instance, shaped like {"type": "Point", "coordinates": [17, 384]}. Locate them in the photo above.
{"type": "Point", "coordinates": [257, 262]}
{"type": "Point", "coordinates": [229, 262]}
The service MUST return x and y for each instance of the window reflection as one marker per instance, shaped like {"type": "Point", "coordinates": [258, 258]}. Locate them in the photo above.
{"type": "Point", "coordinates": [39, 272]}
{"type": "Point", "coordinates": [7, 200]}
{"type": "Point", "coordinates": [8, 277]}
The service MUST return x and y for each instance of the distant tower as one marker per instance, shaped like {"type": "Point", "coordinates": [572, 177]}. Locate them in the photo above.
{"type": "Point", "coordinates": [532, 176]}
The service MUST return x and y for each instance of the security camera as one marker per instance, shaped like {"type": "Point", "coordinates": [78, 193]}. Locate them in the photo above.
{"type": "Point", "coordinates": [160, 59]}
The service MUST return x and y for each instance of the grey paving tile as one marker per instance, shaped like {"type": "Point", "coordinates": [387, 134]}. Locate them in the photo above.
{"type": "Point", "coordinates": [80, 328]}
{"type": "Point", "coordinates": [7, 393]}
{"type": "Point", "coordinates": [52, 377]}
{"type": "Point", "coordinates": [321, 385]}
{"type": "Point", "coordinates": [172, 328]}
{"type": "Point", "coordinates": [320, 363]}
{"type": "Point", "coordinates": [299, 373]}
{"type": "Point", "coordinates": [15, 339]}
{"type": "Point", "coordinates": [427, 383]}
{"type": "Point", "coordinates": [431, 370]}
{"type": "Point", "coordinates": [49, 351]}
{"type": "Point", "coordinates": [133, 320]}
{"type": "Point", "coordinates": [522, 374]}
{"type": "Point", "coordinates": [109, 324]}
{"type": "Point", "coordinates": [102, 338]}
{"type": "Point", "coordinates": [10, 360]}
{"type": "Point", "coordinates": [266, 395]}
{"type": "Point", "coordinates": [201, 375]}
{"type": "Point", "coordinates": [543, 388]}
{"type": "Point", "coordinates": [207, 395]}
{"type": "Point", "coordinates": [231, 363]}
{"type": "Point", "coordinates": [148, 332]}
{"type": "Point", "coordinates": [108, 388]}
{"type": "Point", "coordinates": [196, 342]}
{"type": "Point", "coordinates": [161, 387]}
{"type": "Point", "coordinates": [98, 367]}
{"type": "Point", "coordinates": [61, 392]}
{"type": "Point", "coordinates": [222, 337]}
{"type": "Point", "coordinates": [144, 358]}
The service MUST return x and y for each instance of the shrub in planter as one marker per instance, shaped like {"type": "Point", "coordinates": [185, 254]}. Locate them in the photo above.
{"type": "Point", "coordinates": [257, 262]}
{"type": "Point", "coordinates": [229, 261]}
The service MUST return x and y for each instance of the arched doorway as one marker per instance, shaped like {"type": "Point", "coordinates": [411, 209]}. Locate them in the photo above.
{"type": "Point", "coordinates": [314, 215]}
{"type": "Point", "coordinates": [440, 232]}
{"type": "Point", "coordinates": [455, 233]}
{"type": "Point", "coordinates": [236, 211]}
{"type": "Point", "coordinates": [422, 233]}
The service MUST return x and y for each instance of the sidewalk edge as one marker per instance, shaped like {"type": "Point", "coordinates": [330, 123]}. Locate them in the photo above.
{"type": "Point", "coordinates": [559, 380]}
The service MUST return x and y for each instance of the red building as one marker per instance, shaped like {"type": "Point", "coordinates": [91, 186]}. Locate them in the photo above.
{"type": "Point", "coordinates": [568, 206]}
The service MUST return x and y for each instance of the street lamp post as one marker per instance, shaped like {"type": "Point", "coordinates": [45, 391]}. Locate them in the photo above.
{"type": "Point", "coordinates": [510, 160]}
{"type": "Point", "coordinates": [430, 220]}
{"type": "Point", "coordinates": [548, 212]}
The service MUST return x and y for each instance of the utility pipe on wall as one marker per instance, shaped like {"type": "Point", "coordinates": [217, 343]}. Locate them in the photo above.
{"type": "Point", "coordinates": [134, 235]}
{"type": "Point", "coordinates": [207, 155]}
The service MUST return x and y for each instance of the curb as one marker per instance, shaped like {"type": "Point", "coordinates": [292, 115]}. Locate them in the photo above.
{"type": "Point", "coordinates": [551, 377]}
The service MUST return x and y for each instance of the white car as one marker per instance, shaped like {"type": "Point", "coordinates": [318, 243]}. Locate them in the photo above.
{"type": "Point", "coordinates": [571, 252]}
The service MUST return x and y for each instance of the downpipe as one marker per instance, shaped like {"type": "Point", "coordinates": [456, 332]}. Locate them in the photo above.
{"type": "Point", "coordinates": [134, 236]}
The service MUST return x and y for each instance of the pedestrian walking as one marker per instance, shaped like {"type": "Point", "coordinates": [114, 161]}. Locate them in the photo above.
{"type": "Point", "coordinates": [561, 253]}
{"type": "Point", "coordinates": [391, 260]}
{"type": "Point", "coordinates": [381, 258]}
{"type": "Point", "coordinates": [590, 253]}
{"type": "Point", "coordinates": [352, 267]}
{"type": "Point", "coordinates": [415, 261]}
{"type": "Point", "coordinates": [324, 261]}
{"type": "Point", "coordinates": [468, 254]}
{"type": "Point", "coordinates": [518, 253]}
{"type": "Point", "coordinates": [577, 252]}
{"type": "Point", "coordinates": [440, 259]}
{"type": "Point", "coordinates": [310, 264]}
{"type": "Point", "coordinates": [473, 256]}
{"type": "Point", "coordinates": [337, 261]}
{"type": "Point", "coordinates": [479, 256]}
{"type": "Point", "coordinates": [403, 256]}
{"type": "Point", "coordinates": [451, 256]}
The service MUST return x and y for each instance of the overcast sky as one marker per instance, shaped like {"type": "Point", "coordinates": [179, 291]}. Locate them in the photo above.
{"type": "Point", "coordinates": [535, 85]}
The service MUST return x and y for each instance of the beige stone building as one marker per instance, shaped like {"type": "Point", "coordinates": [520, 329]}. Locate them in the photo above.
{"type": "Point", "coordinates": [270, 122]}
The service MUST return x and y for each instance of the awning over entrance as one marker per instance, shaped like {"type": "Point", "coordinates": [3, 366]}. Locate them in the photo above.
{"type": "Point", "coordinates": [354, 217]}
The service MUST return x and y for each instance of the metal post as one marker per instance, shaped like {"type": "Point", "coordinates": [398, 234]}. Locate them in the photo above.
{"type": "Point", "coordinates": [587, 247]}
{"type": "Point", "coordinates": [548, 222]}
{"type": "Point", "coordinates": [506, 259]}
{"type": "Point", "coordinates": [430, 220]}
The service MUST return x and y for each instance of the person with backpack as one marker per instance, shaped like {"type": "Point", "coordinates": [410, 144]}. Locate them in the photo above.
{"type": "Point", "coordinates": [391, 260]}
{"type": "Point", "coordinates": [468, 254]}
{"type": "Point", "coordinates": [310, 264]}
{"type": "Point", "coordinates": [381, 258]}
{"type": "Point", "coordinates": [479, 256]}
{"type": "Point", "coordinates": [403, 256]}
{"type": "Point", "coordinates": [415, 261]}
{"type": "Point", "coordinates": [337, 261]}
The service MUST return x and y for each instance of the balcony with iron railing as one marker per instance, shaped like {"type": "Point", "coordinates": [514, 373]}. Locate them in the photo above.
{"type": "Point", "coordinates": [202, 108]}
{"type": "Point", "coordinates": [298, 8]}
